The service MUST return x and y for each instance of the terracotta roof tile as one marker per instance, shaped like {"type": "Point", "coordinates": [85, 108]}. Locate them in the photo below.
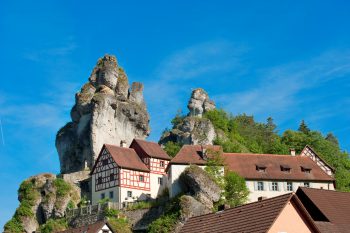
{"type": "Point", "coordinates": [334, 205]}
{"type": "Point", "coordinates": [254, 217]}
{"type": "Point", "coordinates": [245, 165]}
{"type": "Point", "coordinates": [191, 154]}
{"type": "Point", "coordinates": [152, 149]}
{"type": "Point", "coordinates": [126, 158]}
{"type": "Point", "coordinates": [92, 228]}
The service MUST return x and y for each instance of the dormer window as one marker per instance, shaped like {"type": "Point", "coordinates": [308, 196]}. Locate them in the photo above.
{"type": "Point", "coordinates": [261, 168]}
{"type": "Point", "coordinates": [285, 168]}
{"type": "Point", "coordinates": [306, 169]}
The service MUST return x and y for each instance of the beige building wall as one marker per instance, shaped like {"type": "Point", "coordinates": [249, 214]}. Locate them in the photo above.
{"type": "Point", "coordinates": [289, 221]}
{"type": "Point", "coordinates": [268, 193]}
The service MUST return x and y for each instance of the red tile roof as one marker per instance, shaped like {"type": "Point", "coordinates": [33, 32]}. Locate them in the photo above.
{"type": "Point", "coordinates": [254, 217]}
{"type": "Point", "coordinates": [152, 149]}
{"type": "Point", "coordinates": [191, 154]}
{"type": "Point", "coordinates": [245, 165]}
{"type": "Point", "coordinates": [126, 158]}
{"type": "Point", "coordinates": [334, 205]}
{"type": "Point", "coordinates": [92, 228]}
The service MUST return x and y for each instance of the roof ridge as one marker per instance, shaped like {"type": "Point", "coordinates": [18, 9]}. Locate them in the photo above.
{"type": "Point", "coordinates": [249, 204]}
{"type": "Point", "coordinates": [234, 153]}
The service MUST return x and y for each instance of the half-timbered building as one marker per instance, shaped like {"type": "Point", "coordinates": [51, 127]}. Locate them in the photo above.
{"type": "Point", "coordinates": [156, 160]}
{"type": "Point", "coordinates": [119, 175]}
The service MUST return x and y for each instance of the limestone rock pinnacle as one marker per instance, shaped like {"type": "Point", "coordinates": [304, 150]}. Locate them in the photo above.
{"type": "Point", "coordinates": [106, 110]}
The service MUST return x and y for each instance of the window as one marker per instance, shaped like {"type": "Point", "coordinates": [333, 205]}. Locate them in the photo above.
{"type": "Point", "coordinates": [104, 162]}
{"type": "Point", "coordinates": [289, 186]}
{"type": "Point", "coordinates": [111, 194]}
{"type": "Point", "coordinates": [260, 186]}
{"type": "Point", "coordinates": [105, 231]}
{"type": "Point", "coordinates": [111, 177]}
{"type": "Point", "coordinates": [161, 163]}
{"type": "Point", "coordinates": [99, 180]}
{"type": "Point", "coordinates": [141, 178]}
{"type": "Point", "coordinates": [160, 180]}
{"type": "Point", "coordinates": [129, 194]}
{"type": "Point", "coordinates": [103, 195]}
{"type": "Point", "coordinates": [274, 186]}
{"type": "Point", "coordinates": [285, 168]}
{"type": "Point", "coordinates": [307, 184]}
{"type": "Point", "coordinates": [306, 169]}
{"type": "Point", "coordinates": [261, 168]}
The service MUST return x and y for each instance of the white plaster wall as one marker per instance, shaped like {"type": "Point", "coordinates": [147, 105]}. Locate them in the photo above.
{"type": "Point", "coordinates": [136, 195]}
{"type": "Point", "coordinates": [105, 227]}
{"type": "Point", "coordinates": [96, 196]}
{"type": "Point", "coordinates": [157, 189]}
{"type": "Point", "coordinates": [255, 194]}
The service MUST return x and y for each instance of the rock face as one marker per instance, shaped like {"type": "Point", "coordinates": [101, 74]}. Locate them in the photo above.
{"type": "Point", "coordinates": [199, 185]}
{"type": "Point", "coordinates": [199, 103]}
{"type": "Point", "coordinates": [42, 197]}
{"type": "Point", "coordinates": [106, 110]}
{"type": "Point", "coordinates": [193, 128]}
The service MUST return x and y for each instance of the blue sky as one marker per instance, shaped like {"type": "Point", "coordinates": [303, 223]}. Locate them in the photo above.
{"type": "Point", "coordinates": [285, 59]}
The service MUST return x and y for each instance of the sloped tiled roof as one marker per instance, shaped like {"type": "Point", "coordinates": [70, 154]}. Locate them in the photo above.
{"type": "Point", "coordinates": [152, 149]}
{"type": "Point", "coordinates": [334, 205]}
{"type": "Point", "coordinates": [92, 228]}
{"type": "Point", "coordinates": [191, 154]}
{"type": "Point", "coordinates": [245, 165]}
{"type": "Point", "coordinates": [126, 158]}
{"type": "Point", "coordinates": [254, 217]}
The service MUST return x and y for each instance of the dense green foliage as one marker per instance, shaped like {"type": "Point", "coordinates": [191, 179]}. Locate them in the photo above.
{"type": "Point", "coordinates": [242, 134]}
{"type": "Point", "coordinates": [235, 191]}
{"type": "Point", "coordinates": [28, 196]}
{"type": "Point", "coordinates": [167, 222]}
{"type": "Point", "coordinates": [172, 148]}
{"type": "Point", "coordinates": [54, 225]}
{"type": "Point", "coordinates": [118, 221]}
{"type": "Point", "coordinates": [62, 187]}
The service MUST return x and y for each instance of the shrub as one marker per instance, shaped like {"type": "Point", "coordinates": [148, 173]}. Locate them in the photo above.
{"type": "Point", "coordinates": [62, 187]}
{"type": "Point", "coordinates": [54, 225]}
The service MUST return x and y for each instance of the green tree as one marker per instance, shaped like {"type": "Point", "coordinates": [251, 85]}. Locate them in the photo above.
{"type": "Point", "coordinates": [303, 128]}
{"type": "Point", "coordinates": [172, 148]}
{"type": "Point", "coordinates": [331, 138]}
{"type": "Point", "coordinates": [236, 192]}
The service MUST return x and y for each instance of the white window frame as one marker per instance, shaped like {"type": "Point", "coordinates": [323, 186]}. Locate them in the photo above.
{"type": "Point", "coordinates": [289, 186]}
{"type": "Point", "coordinates": [129, 194]}
{"type": "Point", "coordinates": [111, 195]}
{"type": "Point", "coordinates": [160, 180]}
{"type": "Point", "coordinates": [260, 186]}
{"type": "Point", "coordinates": [274, 186]}
{"type": "Point", "coordinates": [307, 184]}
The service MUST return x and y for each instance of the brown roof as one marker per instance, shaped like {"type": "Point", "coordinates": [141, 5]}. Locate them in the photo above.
{"type": "Point", "coordinates": [191, 154]}
{"type": "Point", "coordinates": [92, 228]}
{"type": "Point", "coordinates": [334, 205]}
{"type": "Point", "coordinates": [245, 165]}
{"type": "Point", "coordinates": [152, 149]}
{"type": "Point", "coordinates": [254, 217]}
{"type": "Point", "coordinates": [126, 158]}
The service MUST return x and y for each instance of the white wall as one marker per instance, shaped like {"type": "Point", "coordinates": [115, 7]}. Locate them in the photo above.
{"type": "Point", "coordinates": [105, 227]}
{"type": "Point", "coordinates": [268, 193]}
{"type": "Point", "coordinates": [96, 196]}
{"type": "Point", "coordinates": [136, 195]}
{"type": "Point", "coordinates": [157, 189]}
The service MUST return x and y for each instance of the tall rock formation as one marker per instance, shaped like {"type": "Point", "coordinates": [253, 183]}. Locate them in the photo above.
{"type": "Point", "coordinates": [193, 128]}
{"type": "Point", "coordinates": [106, 110]}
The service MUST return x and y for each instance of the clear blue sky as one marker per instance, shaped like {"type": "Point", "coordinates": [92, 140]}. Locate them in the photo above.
{"type": "Point", "coordinates": [285, 59]}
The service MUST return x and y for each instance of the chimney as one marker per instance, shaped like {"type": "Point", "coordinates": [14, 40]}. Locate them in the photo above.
{"type": "Point", "coordinates": [122, 143]}
{"type": "Point", "coordinates": [292, 151]}
{"type": "Point", "coordinates": [261, 198]}
{"type": "Point", "coordinates": [204, 153]}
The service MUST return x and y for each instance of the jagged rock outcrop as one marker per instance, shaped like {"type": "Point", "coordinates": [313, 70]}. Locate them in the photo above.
{"type": "Point", "coordinates": [199, 103]}
{"type": "Point", "coordinates": [198, 184]}
{"type": "Point", "coordinates": [42, 197]}
{"type": "Point", "coordinates": [193, 128]}
{"type": "Point", "coordinates": [106, 110]}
